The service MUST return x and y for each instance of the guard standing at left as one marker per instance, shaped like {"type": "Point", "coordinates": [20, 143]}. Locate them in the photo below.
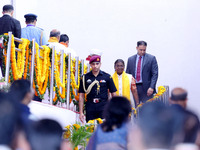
{"type": "Point", "coordinates": [95, 84]}
{"type": "Point", "coordinates": [31, 32]}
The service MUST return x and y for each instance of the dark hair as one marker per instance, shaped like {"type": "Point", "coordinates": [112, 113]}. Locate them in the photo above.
{"type": "Point", "coordinates": [64, 38]}
{"type": "Point", "coordinates": [30, 19]}
{"type": "Point", "coordinates": [157, 124]}
{"type": "Point", "coordinates": [8, 8]}
{"type": "Point", "coordinates": [116, 112]}
{"type": "Point", "coordinates": [141, 43]}
{"type": "Point", "coordinates": [54, 33]}
{"type": "Point", "coordinates": [45, 134]}
{"type": "Point", "coordinates": [9, 117]}
{"type": "Point", "coordinates": [19, 89]}
{"type": "Point", "coordinates": [119, 60]}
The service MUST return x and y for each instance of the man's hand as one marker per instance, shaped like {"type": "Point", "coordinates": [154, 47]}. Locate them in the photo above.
{"type": "Point", "coordinates": [81, 101]}
{"type": "Point", "coordinates": [82, 117]}
{"type": "Point", "coordinates": [137, 105]}
{"type": "Point", "coordinates": [150, 92]}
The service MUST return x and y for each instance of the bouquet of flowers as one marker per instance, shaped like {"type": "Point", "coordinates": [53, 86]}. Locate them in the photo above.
{"type": "Point", "coordinates": [78, 134]}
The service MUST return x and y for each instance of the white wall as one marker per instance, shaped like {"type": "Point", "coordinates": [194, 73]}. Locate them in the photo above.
{"type": "Point", "coordinates": [2, 3]}
{"type": "Point", "coordinates": [170, 27]}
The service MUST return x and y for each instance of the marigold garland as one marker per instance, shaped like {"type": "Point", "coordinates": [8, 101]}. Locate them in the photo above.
{"type": "Point", "coordinates": [44, 61]}
{"type": "Point", "coordinates": [42, 70]}
{"type": "Point", "coordinates": [73, 81]}
{"type": "Point", "coordinates": [27, 62]}
{"type": "Point", "coordinates": [85, 68]}
{"type": "Point", "coordinates": [18, 68]}
{"type": "Point", "coordinates": [161, 90]}
{"type": "Point", "coordinates": [41, 73]}
{"type": "Point", "coordinates": [57, 73]}
{"type": "Point", "coordinates": [58, 95]}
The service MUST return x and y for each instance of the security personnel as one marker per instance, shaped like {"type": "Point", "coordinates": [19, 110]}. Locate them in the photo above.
{"type": "Point", "coordinates": [31, 32]}
{"type": "Point", "coordinates": [95, 84]}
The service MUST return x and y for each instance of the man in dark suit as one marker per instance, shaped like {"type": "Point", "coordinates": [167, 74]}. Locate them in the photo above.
{"type": "Point", "coordinates": [191, 124]}
{"type": "Point", "coordinates": [144, 69]}
{"type": "Point", "coordinates": [8, 23]}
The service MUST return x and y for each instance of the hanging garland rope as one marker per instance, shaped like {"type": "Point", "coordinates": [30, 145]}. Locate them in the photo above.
{"type": "Point", "coordinates": [161, 91]}
{"type": "Point", "coordinates": [44, 62]}
{"type": "Point", "coordinates": [57, 72]}
{"type": "Point", "coordinates": [58, 84]}
{"type": "Point", "coordinates": [27, 62]}
{"type": "Point", "coordinates": [41, 73]}
{"type": "Point", "coordinates": [18, 67]}
{"type": "Point", "coordinates": [73, 81]}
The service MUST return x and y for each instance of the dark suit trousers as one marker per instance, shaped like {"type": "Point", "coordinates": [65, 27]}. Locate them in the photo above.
{"type": "Point", "coordinates": [142, 94]}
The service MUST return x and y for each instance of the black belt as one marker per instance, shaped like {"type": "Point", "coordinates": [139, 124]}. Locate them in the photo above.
{"type": "Point", "coordinates": [139, 83]}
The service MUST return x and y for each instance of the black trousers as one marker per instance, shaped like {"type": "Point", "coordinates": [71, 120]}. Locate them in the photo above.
{"type": "Point", "coordinates": [142, 94]}
{"type": "Point", "coordinates": [94, 110]}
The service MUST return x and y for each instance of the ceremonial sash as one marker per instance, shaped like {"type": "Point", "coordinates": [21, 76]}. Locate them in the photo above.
{"type": "Point", "coordinates": [90, 86]}
{"type": "Point", "coordinates": [53, 39]}
{"type": "Point", "coordinates": [125, 84]}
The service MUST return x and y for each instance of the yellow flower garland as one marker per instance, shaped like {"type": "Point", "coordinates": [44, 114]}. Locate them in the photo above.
{"type": "Point", "coordinates": [57, 73]}
{"type": "Point", "coordinates": [45, 54]}
{"type": "Point", "coordinates": [38, 66]}
{"type": "Point", "coordinates": [85, 68]}
{"type": "Point", "coordinates": [73, 81]}
{"type": "Point", "coordinates": [42, 68]}
{"type": "Point", "coordinates": [18, 67]}
{"type": "Point", "coordinates": [57, 77]}
{"type": "Point", "coordinates": [28, 60]}
{"type": "Point", "coordinates": [161, 90]}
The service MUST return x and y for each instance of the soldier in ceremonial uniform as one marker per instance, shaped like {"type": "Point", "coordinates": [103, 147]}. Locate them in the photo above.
{"type": "Point", "coordinates": [95, 84]}
{"type": "Point", "coordinates": [31, 31]}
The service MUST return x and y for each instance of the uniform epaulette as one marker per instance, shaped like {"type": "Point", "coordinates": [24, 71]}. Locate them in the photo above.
{"type": "Point", "coordinates": [40, 28]}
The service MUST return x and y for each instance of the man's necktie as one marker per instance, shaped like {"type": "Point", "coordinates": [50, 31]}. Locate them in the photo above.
{"type": "Point", "coordinates": [138, 69]}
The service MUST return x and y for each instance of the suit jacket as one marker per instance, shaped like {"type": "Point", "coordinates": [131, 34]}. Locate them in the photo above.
{"type": "Point", "coordinates": [8, 23]}
{"type": "Point", "coordinates": [149, 70]}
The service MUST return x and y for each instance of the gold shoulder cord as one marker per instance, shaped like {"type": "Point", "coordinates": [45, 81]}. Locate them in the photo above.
{"type": "Point", "coordinates": [90, 86]}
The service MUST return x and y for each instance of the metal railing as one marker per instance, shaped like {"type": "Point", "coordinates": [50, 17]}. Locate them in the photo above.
{"type": "Point", "coordinates": [52, 67]}
{"type": "Point", "coordinates": [164, 98]}
{"type": "Point", "coordinates": [68, 79]}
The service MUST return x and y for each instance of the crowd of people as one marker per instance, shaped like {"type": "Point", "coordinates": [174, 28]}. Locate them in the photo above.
{"type": "Point", "coordinates": [158, 127]}
{"type": "Point", "coordinates": [21, 130]}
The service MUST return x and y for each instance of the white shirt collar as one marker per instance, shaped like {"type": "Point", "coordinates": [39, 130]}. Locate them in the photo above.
{"type": "Point", "coordinates": [119, 76]}
{"type": "Point", "coordinates": [139, 56]}
{"type": "Point", "coordinates": [7, 14]}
